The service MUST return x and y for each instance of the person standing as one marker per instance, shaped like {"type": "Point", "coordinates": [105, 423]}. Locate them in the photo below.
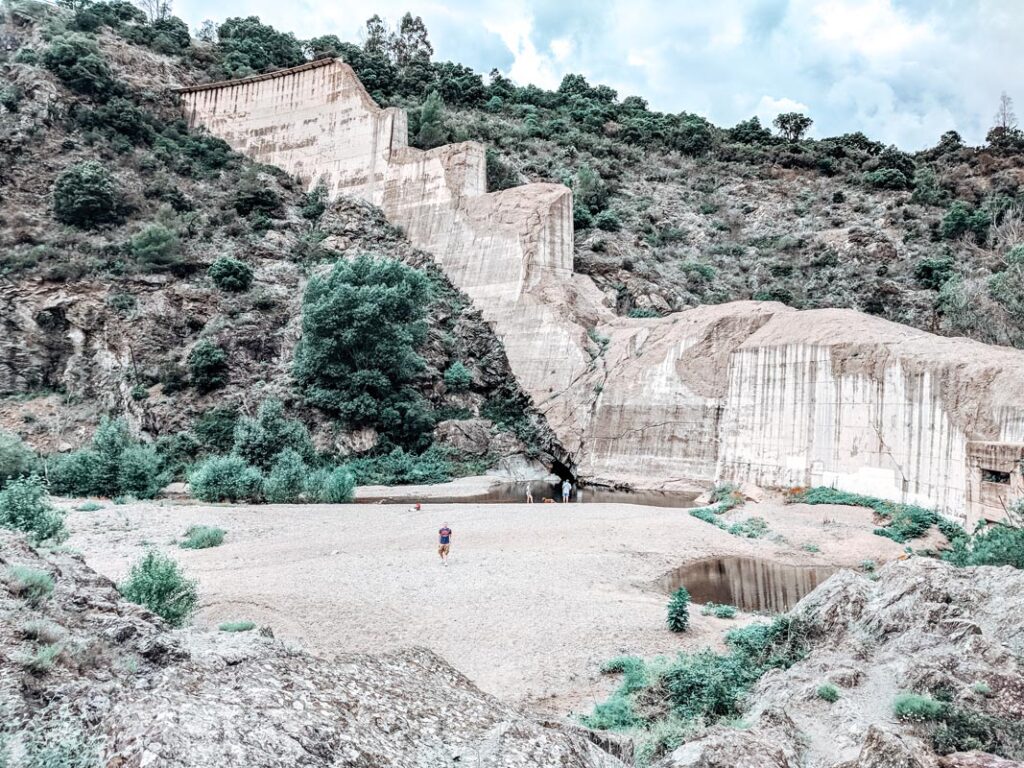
{"type": "Point", "coordinates": [566, 490]}
{"type": "Point", "coordinates": [444, 538]}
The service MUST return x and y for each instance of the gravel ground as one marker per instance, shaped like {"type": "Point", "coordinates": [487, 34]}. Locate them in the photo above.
{"type": "Point", "coordinates": [535, 599]}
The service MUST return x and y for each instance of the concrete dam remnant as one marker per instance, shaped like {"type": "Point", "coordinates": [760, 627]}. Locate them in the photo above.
{"type": "Point", "coordinates": [745, 391]}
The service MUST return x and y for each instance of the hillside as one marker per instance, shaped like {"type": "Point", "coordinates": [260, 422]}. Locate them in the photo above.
{"type": "Point", "coordinates": [110, 306]}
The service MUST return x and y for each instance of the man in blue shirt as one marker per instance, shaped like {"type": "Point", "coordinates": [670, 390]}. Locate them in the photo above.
{"type": "Point", "coordinates": [444, 538]}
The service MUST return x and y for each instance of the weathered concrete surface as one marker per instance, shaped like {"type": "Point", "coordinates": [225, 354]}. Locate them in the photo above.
{"type": "Point", "coordinates": [747, 391]}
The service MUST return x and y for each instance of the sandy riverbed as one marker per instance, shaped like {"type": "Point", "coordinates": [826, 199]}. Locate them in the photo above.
{"type": "Point", "coordinates": [536, 596]}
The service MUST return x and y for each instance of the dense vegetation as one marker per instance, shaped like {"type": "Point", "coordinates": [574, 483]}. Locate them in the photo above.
{"type": "Point", "coordinates": [663, 701]}
{"type": "Point", "coordinates": [198, 260]}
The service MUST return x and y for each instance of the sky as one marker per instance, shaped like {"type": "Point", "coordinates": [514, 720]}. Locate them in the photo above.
{"type": "Point", "coordinates": [901, 71]}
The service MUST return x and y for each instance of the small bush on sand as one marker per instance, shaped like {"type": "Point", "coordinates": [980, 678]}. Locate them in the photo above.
{"type": "Point", "coordinates": [30, 584]}
{"type": "Point", "coordinates": [906, 521]}
{"type": "Point", "coordinates": [719, 611]}
{"type": "Point", "coordinates": [237, 626]}
{"type": "Point", "coordinates": [225, 478]}
{"type": "Point", "coordinates": [331, 486]}
{"type": "Point", "coordinates": [286, 480]}
{"type": "Point", "coordinates": [25, 506]}
{"type": "Point", "coordinates": [679, 610]}
{"type": "Point", "coordinates": [156, 582]}
{"type": "Point", "coordinates": [828, 692]}
{"type": "Point", "coordinates": [202, 537]}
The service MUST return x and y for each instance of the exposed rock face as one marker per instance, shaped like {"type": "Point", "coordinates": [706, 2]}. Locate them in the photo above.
{"type": "Point", "coordinates": [923, 627]}
{"type": "Point", "coordinates": [748, 391]}
{"type": "Point", "coordinates": [188, 698]}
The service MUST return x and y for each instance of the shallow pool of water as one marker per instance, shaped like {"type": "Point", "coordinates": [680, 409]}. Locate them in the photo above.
{"type": "Point", "coordinates": [511, 493]}
{"type": "Point", "coordinates": [749, 583]}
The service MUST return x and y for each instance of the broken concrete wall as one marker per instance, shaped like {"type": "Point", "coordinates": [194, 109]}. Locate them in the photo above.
{"type": "Point", "coordinates": [747, 391]}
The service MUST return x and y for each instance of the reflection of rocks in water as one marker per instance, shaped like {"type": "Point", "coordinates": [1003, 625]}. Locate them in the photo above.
{"type": "Point", "coordinates": [748, 583]}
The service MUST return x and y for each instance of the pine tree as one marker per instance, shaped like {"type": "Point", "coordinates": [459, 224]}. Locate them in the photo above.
{"type": "Point", "coordinates": [432, 132]}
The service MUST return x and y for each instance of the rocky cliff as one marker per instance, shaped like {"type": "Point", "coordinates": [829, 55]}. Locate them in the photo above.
{"type": "Point", "coordinates": [746, 391]}
{"type": "Point", "coordinates": [122, 689]}
{"type": "Point", "coordinates": [922, 626]}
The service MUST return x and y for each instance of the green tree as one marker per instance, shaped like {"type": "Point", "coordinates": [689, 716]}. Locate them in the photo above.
{"type": "Point", "coordinates": [86, 195]}
{"type": "Point", "coordinates": [115, 464]}
{"type": "Point", "coordinates": [25, 506]}
{"type": "Point", "coordinates": [230, 274]}
{"type": "Point", "coordinates": [410, 43]}
{"type": "Point", "coordinates": [361, 328]}
{"type": "Point", "coordinates": [458, 377]}
{"type": "Point", "coordinates": [208, 364]}
{"type": "Point", "coordinates": [77, 61]}
{"type": "Point", "coordinates": [792, 125]}
{"type": "Point", "coordinates": [432, 131]}
{"type": "Point", "coordinates": [589, 190]}
{"type": "Point", "coordinates": [156, 248]}
{"type": "Point", "coordinates": [16, 458]}
{"type": "Point", "coordinates": [287, 478]}
{"type": "Point", "coordinates": [259, 441]}
{"type": "Point", "coordinates": [247, 46]}
{"type": "Point", "coordinates": [679, 610]}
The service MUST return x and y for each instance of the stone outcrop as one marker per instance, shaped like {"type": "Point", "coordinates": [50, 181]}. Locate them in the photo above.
{"type": "Point", "coordinates": [747, 391]}
{"type": "Point", "coordinates": [140, 695]}
{"type": "Point", "coordinates": [924, 626]}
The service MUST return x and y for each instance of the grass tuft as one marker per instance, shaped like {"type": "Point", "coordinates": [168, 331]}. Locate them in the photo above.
{"type": "Point", "coordinates": [31, 585]}
{"type": "Point", "coordinates": [237, 626]}
{"type": "Point", "coordinates": [828, 692]}
{"type": "Point", "coordinates": [202, 537]}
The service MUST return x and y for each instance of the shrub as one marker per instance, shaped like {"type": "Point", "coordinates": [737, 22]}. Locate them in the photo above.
{"type": "Point", "coordinates": [458, 377]}
{"type": "Point", "coordinates": [156, 582]}
{"type": "Point", "coordinates": [255, 195]}
{"type": "Point", "coordinates": [155, 248]}
{"type": "Point", "coordinates": [912, 706]}
{"type": "Point", "coordinates": [719, 611]}
{"type": "Point", "coordinates": [500, 174]}
{"type": "Point", "coordinates": [237, 626]}
{"type": "Point", "coordinates": [24, 506]}
{"type": "Point", "coordinates": [114, 465]}
{"type": "Point", "coordinates": [30, 584]}
{"type": "Point", "coordinates": [208, 366]}
{"type": "Point", "coordinates": [361, 328]}
{"type": "Point", "coordinates": [401, 468]}
{"type": "Point", "coordinates": [225, 478]}
{"type": "Point", "coordinates": [331, 486]}
{"type": "Point", "coordinates": [86, 195]}
{"type": "Point", "coordinates": [933, 271]}
{"type": "Point", "coordinates": [89, 506]}
{"type": "Point", "coordinates": [202, 537]}
{"type": "Point", "coordinates": [215, 428]}
{"type": "Point", "coordinates": [961, 219]}
{"type": "Point", "coordinates": [886, 178]}
{"type": "Point", "coordinates": [679, 610]}
{"type": "Point", "coordinates": [828, 692]}
{"type": "Point", "coordinates": [16, 458]}
{"type": "Point", "coordinates": [42, 631]}
{"type": "Point", "coordinates": [996, 544]}
{"type": "Point", "coordinates": [230, 275]}
{"type": "Point", "coordinates": [608, 221]}
{"type": "Point", "coordinates": [77, 61]}
{"type": "Point", "coordinates": [589, 190]}
{"type": "Point", "coordinates": [259, 441]}
{"type": "Point", "coordinates": [286, 480]}
{"type": "Point", "coordinates": [40, 662]}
